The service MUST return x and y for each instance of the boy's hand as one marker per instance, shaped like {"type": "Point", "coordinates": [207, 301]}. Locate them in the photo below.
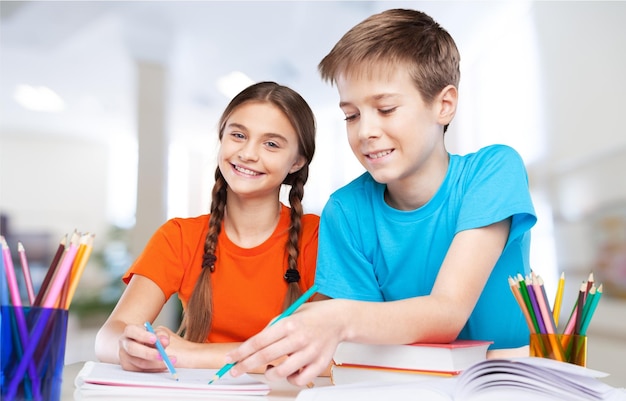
{"type": "Point", "coordinates": [304, 342]}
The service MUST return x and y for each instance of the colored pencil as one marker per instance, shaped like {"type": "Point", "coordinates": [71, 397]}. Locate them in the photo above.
{"type": "Point", "coordinates": [4, 290]}
{"type": "Point", "coordinates": [544, 306]}
{"type": "Point", "coordinates": [558, 300]}
{"type": "Point", "coordinates": [52, 295]}
{"type": "Point", "coordinates": [84, 252]}
{"type": "Point", "coordinates": [50, 273]}
{"type": "Point", "coordinates": [26, 271]}
{"type": "Point", "coordinates": [535, 305]}
{"type": "Point", "coordinates": [592, 308]}
{"type": "Point", "coordinates": [579, 307]}
{"type": "Point", "coordinates": [303, 298]}
{"type": "Point", "coordinates": [529, 307]}
{"type": "Point", "coordinates": [514, 285]}
{"type": "Point", "coordinates": [14, 293]}
{"type": "Point", "coordinates": [161, 350]}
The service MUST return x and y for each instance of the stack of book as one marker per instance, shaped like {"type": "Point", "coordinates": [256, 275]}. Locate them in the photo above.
{"type": "Point", "coordinates": [355, 362]}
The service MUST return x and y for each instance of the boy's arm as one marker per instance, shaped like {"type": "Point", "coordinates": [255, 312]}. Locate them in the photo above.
{"type": "Point", "coordinates": [310, 336]}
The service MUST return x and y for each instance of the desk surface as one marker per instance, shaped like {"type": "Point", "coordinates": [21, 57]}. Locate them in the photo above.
{"type": "Point", "coordinates": [281, 390]}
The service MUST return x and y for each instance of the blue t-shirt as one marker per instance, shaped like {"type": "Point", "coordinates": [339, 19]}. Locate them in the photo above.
{"type": "Point", "coordinates": [370, 251]}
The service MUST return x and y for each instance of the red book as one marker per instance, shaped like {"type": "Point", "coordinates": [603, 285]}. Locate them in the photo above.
{"type": "Point", "coordinates": [449, 358]}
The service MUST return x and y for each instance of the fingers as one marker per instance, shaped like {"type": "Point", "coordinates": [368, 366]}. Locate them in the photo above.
{"type": "Point", "coordinates": [257, 351]}
{"type": "Point", "coordinates": [137, 350]}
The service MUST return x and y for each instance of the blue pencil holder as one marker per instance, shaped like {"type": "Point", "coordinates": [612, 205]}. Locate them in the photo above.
{"type": "Point", "coordinates": [33, 343]}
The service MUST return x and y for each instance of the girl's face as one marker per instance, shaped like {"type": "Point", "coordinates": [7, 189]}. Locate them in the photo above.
{"type": "Point", "coordinates": [259, 147]}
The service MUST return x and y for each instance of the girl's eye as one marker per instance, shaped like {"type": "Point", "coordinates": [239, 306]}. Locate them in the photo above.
{"type": "Point", "coordinates": [237, 135]}
{"type": "Point", "coordinates": [272, 144]}
{"type": "Point", "coordinates": [387, 111]}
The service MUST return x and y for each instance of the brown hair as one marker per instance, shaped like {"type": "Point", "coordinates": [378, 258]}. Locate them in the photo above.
{"type": "Point", "coordinates": [397, 37]}
{"type": "Point", "coordinates": [196, 321]}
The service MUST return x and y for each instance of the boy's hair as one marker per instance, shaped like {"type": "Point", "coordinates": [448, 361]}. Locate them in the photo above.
{"type": "Point", "coordinates": [392, 38]}
{"type": "Point", "coordinates": [197, 317]}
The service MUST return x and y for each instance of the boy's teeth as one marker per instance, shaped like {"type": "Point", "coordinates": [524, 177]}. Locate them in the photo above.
{"type": "Point", "coordinates": [379, 154]}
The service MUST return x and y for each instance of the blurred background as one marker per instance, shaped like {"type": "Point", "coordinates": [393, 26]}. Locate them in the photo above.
{"type": "Point", "coordinates": [108, 112]}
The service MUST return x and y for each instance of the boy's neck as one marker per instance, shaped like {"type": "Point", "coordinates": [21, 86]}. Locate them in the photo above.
{"type": "Point", "coordinates": [415, 191]}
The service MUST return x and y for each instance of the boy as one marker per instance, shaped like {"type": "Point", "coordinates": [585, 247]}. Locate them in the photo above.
{"type": "Point", "coordinates": [420, 247]}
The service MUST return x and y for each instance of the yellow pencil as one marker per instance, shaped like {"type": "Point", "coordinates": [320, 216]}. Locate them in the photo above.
{"type": "Point", "coordinates": [84, 252]}
{"type": "Point", "coordinates": [558, 300]}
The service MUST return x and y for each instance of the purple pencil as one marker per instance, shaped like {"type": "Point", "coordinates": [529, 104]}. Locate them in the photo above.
{"type": "Point", "coordinates": [535, 304]}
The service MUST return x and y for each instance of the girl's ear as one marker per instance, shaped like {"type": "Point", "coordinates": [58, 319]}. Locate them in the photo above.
{"type": "Point", "coordinates": [299, 163]}
{"type": "Point", "coordinates": [447, 101]}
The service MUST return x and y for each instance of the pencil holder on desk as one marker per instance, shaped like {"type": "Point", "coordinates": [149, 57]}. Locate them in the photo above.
{"type": "Point", "coordinates": [33, 343]}
{"type": "Point", "coordinates": [561, 347]}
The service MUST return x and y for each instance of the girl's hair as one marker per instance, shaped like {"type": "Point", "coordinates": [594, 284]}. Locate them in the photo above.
{"type": "Point", "coordinates": [196, 321]}
{"type": "Point", "coordinates": [397, 37]}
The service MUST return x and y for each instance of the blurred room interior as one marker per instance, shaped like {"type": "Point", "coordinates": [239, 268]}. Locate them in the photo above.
{"type": "Point", "coordinates": [108, 112]}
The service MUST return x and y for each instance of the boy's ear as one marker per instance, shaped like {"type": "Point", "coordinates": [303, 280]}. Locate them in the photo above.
{"type": "Point", "coordinates": [447, 101]}
{"type": "Point", "coordinates": [298, 164]}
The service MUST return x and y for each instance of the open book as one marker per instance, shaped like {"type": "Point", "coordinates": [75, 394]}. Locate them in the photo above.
{"type": "Point", "coordinates": [110, 381]}
{"type": "Point", "coordinates": [516, 379]}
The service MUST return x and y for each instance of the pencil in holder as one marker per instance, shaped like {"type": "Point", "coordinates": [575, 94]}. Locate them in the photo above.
{"type": "Point", "coordinates": [33, 351]}
{"type": "Point", "coordinates": [560, 347]}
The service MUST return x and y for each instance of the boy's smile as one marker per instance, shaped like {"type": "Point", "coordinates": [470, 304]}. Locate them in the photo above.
{"type": "Point", "coordinates": [395, 135]}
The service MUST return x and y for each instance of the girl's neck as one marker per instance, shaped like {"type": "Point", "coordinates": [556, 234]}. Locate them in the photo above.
{"type": "Point", "coordinates": [249, 223]}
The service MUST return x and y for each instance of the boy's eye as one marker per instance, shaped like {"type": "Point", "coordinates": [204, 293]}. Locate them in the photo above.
{"type": "Point", "coordinates": [350, 117]}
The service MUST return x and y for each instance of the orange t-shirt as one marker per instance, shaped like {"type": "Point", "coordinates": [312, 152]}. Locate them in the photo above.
{"type": "Point", "coordinates": [248, 283]}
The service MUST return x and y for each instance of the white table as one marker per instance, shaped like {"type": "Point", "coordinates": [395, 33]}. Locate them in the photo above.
{"type": "Point", "coordinates": [280, 390]}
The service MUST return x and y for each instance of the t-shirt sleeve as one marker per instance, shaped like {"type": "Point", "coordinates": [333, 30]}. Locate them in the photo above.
{"type": "Point", "coordinates": [344, 268]}
{"type": "Point", "coordinates": [160, 259]}
{"type": "Point", "coordinates": [497, 190]}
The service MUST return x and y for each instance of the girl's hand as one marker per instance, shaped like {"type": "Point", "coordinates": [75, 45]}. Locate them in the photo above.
{"type": "Point", "coordinates": [137, 350]}
{"type": "Point", "coordinates": [306, 342]}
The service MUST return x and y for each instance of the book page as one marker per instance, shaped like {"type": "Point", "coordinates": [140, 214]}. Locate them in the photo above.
{"type": "Point", "coordinates": [111, 377]}
{"type": "Point", "coordinates": [431, 390]}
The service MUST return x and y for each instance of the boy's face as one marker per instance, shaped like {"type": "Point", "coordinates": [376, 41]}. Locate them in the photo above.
{"type": "Point", "coordinates": [394, 134]}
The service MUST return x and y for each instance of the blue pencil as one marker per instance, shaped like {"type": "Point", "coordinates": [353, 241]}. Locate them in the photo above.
{"type": "Point", "coordinates": [159, 346]}
{"type": "Point", "coordinates": [286, 313]}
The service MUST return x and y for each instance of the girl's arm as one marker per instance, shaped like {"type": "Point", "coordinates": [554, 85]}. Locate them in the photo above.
{"type": "Point", "coordinates": [310, 336]}
{"type": "Point", "coordinates": [124, 340]}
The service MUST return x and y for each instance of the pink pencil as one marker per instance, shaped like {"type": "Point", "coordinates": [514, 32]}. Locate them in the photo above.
{"type": "Point", "coordinates": [22, 328]}
{"type": "Point", "coordinates": [26, 271]}
{"type": "Point", "coordinates": [61, 275]}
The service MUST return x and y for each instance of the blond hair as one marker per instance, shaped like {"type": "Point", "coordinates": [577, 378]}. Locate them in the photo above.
{"type": "Point", "coordinates": [397, 37]}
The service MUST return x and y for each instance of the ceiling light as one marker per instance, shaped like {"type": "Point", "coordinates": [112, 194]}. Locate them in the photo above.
{"type": "Point", "coordinates": [233, 83]}
{"type": "Point", "coordinates": [39, 98]}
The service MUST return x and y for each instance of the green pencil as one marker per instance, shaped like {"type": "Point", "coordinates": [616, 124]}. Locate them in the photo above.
{"type": "Point", "coordinates": [286, 313]}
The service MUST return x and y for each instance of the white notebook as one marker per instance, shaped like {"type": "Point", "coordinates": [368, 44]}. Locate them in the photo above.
{"type": "Point", "coordinates": [102, 380]}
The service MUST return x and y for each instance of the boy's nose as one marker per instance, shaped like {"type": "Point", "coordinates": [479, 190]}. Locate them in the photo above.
{"type": "Point", "coordinates": [368, 128]}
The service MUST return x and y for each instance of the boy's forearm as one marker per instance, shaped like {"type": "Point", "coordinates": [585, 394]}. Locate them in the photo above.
{"type": "Point", "coordinates": [399, 322]}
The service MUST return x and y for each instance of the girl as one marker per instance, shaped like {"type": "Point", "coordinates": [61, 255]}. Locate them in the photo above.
{"type": "Point", "coordinates": [238, 267]}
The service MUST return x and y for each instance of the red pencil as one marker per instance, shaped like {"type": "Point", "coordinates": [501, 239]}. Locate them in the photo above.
{"type": "Point", "coordinates": [53, 266]}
